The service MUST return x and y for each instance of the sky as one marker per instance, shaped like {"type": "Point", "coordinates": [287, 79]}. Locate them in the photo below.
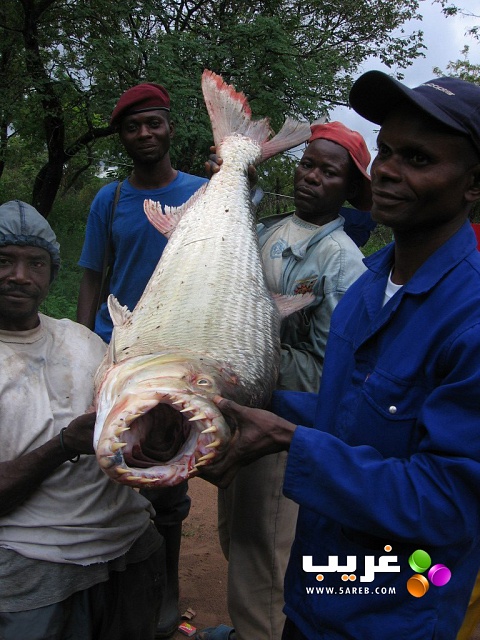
{"type": "Point", "coordinates": [444, 39]}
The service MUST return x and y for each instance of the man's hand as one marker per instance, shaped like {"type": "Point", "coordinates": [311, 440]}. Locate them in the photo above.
{"type": "Point", "coordinates": [78, 436]}
{"type": "Point", "coordinates": [256, 433]}
{"type": "Point", "coordinates": [214, 163]}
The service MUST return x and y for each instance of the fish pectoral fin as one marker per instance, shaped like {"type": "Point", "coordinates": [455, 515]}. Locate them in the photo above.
{"type": "Point", "coordinates": [166, 219]}
{"type": "Point", "coordinates": [119, 314]}
{"type": "Point", "coordinates": [287, 305]}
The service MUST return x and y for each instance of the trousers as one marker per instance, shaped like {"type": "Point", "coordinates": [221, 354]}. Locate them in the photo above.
{"type": "Point", "coordinates": [256, 524]}
{"type": "Point", "coordinates": [124, 607]}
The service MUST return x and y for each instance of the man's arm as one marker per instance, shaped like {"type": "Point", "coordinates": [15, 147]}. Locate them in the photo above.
{"type": "Point", "coordinates": [256, 433]}
{"type": "Point", "coordinates": [20, 478]}
{"type": "Point", "coordinates": [88, 297]}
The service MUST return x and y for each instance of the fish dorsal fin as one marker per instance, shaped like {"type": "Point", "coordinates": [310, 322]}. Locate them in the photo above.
{"type": "Point", "coordinates": [287, 305]}
{"type": "Point", "coordinates": [166, 220]}
{"type": "Point", "coordinates": [230, 112]}
{"type": "Point", "coordinates": [119, 314]}
{"type": "Point", "coordinates": [290, 135]}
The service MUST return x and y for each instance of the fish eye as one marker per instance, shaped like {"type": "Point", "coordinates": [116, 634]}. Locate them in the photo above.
{"type": "Point", "coordinates": [204, 382]}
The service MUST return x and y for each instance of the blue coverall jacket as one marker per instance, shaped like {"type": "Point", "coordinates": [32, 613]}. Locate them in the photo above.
{"type": "Point", "coordinates": [394, 458]}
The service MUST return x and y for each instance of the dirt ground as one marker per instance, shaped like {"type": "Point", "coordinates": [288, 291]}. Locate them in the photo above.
{"type": "Point", "coordinates": [203, 569]}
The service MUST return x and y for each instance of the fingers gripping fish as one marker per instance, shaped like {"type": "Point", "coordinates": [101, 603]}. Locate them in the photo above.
{"type": "Point", "coordinates": [206, 323]}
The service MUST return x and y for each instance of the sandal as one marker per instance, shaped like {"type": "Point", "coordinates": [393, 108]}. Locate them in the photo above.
{"type": "Point", "coordinates": [222, 632]}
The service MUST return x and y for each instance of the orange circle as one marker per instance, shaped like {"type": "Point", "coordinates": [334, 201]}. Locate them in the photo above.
{"type": "Point", "coordinates": [417, 586]}
{"type": "Point", "coordinates": [388, 548]}
{"type": "Point", "coordinates": [344, 577]}
{"type": "Point", "coordinates": [352, 577]}
{"type": "Point", "coordinates": [319, 577]}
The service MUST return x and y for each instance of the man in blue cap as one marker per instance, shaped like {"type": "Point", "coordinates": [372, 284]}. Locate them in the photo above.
{"type": "Point", "coordinates": [388, 536]}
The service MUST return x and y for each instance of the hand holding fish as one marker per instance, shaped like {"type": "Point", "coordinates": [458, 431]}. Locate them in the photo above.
{"type": "Point", "coordinates": [78, 436]}
{"type": "Point", "coordinates": [214, 163]}
{"type": "Point", "coordinates": [256, 433]}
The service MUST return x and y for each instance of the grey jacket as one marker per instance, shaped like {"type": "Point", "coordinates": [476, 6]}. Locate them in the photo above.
{"type": "Point", "coordinates": [326, 265]}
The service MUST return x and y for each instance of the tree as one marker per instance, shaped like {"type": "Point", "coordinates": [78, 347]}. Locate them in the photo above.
{"type": "Point", "coordinates": [65, 62]}
{"type": "Point", "coordinates": [462, 67]}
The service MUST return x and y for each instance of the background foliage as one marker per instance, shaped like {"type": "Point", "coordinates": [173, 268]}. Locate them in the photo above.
{"type": "Point", "coordinates": [64, 63]}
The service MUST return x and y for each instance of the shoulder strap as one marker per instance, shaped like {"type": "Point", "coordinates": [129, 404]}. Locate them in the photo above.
{"type": "Point", "coordinates": [108, 248]}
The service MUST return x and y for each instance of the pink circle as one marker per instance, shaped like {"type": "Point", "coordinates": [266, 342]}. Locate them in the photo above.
{"type": "Point", "coordinates": [439, 575]}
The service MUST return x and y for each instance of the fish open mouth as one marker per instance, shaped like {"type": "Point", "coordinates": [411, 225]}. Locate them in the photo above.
{"type": "Point", "coordinates": [156, 420]}
{"type": "Point", "coordinates": [148, 449]}
{"type": "Point", "coordinates": [160, 438]}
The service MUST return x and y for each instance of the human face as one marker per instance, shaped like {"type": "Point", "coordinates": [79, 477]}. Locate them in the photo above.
{"type": "Point", "coordinates": [322, 181]}
{"type": "Point", "coordinates": [146, 136]}
{"type": "Point", "coordinates": [423, 177]}
{"type": "Point", "coordinates": [24, 284]}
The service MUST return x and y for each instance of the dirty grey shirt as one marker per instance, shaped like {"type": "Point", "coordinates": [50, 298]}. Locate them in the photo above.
{"type": "Point", "coordinates": [77, 515]}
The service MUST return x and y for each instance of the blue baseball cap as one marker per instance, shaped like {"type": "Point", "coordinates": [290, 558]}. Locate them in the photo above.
{"type": "Point", "coordinates": [451, 101]}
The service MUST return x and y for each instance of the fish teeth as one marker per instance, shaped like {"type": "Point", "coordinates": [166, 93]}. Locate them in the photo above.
{"type": "Point", "coordinates": [211, 429]}
{"type": "Point", "coordinates": [178, 402]}
{"type": "Point", "coordinates": [199, 416]}
{"type": "Point", "coordinates": [207, 456]}
{"type": "Point", "coordinates": [118, 445]}
{"type": "Point", "coordinates": [213, 444]}
{"type": "Point", "coordinates": [122, 470]}
{"type": "Point", "coordinates": [147, 480]}
{"type": "Point", "coordinates": [120, 430]}
{"type": "Point", "coordinates": [131, 478]}
{"type": "Point", "coordinates": [189, 408]}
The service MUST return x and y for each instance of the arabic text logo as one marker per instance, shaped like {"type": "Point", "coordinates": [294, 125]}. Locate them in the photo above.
{"type": "Point", "coordinates": [385, 564]}
{"type": "Point", "coordinates": [438, 574]}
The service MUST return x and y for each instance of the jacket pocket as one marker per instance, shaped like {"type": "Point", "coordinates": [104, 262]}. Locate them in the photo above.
{"type": "Point", "coordinates": [388, 412]}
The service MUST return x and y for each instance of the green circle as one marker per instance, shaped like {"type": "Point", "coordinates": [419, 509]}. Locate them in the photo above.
{"type": "Point", "coordinates": [419, 561]}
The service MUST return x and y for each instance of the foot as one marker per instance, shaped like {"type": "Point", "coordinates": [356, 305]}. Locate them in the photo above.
{"type": "Point", "coordinates": [222, 632]}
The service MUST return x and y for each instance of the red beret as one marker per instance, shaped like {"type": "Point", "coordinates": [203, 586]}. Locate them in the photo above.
{"type": "Point", "coordinates": [354, 143]}
{"type": "Point", "coordinates": [147, 96]}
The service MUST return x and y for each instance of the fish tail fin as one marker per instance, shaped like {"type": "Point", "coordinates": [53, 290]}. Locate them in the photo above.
{"type": "Point", "coordinates": [290, 135]}
{"type": "Point", "coordinates": [230, 112]}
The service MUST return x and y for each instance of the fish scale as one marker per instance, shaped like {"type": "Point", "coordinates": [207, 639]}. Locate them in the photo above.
{"type": "Point", "coordinates": [220, 285]}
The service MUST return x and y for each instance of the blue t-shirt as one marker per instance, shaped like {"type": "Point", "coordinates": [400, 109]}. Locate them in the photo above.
{"type": "Point", "coordinates": [137, 245]}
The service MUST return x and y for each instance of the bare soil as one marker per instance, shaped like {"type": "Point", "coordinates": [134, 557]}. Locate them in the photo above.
{"type": "Point", "coordinates": [203, 568]}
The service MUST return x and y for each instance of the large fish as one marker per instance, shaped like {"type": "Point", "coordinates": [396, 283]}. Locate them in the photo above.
{"type": "Point", "coordinates": [206, 323]}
